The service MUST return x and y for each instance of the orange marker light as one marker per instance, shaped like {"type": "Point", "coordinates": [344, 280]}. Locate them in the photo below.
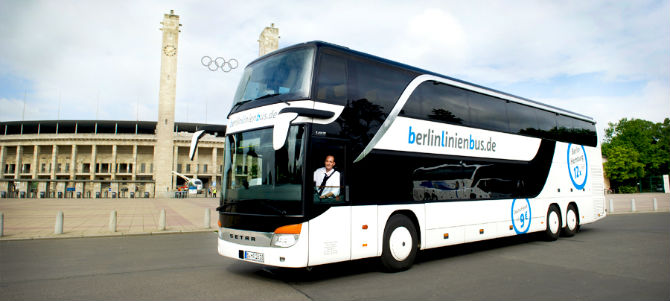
{"type": "Point", "coordinates": [289, 229]}
{"type": "Point", "coordinates": [365, 227]}
{"type": "Point", "coordinates": [219, 222]}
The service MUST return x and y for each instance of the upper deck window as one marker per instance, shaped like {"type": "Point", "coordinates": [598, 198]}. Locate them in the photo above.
{"type": "Point", "coordinates": [287, 73]}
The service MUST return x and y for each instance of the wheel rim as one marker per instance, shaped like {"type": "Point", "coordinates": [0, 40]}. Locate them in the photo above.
{"type": "Point", "coordinates": [571, 220]}
{"type": "Point", "coordinates": [400, 243]}
{"type": "Point", "coordinates": [553, 222]}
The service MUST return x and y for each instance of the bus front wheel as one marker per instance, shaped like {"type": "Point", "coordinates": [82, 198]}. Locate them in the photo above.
{"type": "Point", "coordinates": [400, 244]}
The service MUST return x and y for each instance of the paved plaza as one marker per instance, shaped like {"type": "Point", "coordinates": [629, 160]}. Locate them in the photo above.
{"type": "Point", "coordinates": [36, 218]}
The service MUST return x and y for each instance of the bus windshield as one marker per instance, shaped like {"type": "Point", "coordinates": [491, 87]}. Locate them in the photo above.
{"type": "Point", "coordinates": [287, 73]}
{"type": "Point", "coordinates": [260, 180]}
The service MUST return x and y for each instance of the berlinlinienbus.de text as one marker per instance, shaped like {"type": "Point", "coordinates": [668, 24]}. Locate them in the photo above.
{"type": "Point", "coordinates": [443, 139]}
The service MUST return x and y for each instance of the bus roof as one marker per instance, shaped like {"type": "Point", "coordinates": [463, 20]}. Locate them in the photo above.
{"type": "Point", "coordinates": [515, 98]}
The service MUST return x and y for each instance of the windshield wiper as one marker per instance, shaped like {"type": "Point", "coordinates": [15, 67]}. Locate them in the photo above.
{"type": "Point", "coordinates": [267, 96]}
{"type": "Point", "coordinates": [240, 103]}
{"type": "Point", "coordinates": [222, 207]}
{"type": "Point", "coordinates": [275, 209]}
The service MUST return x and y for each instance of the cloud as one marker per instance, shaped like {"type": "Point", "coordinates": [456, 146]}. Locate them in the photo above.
{"type": "Point", "coordinates": [102, 58]}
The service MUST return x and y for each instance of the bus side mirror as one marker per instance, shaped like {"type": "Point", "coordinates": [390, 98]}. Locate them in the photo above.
{"type": "Point", "coordinates": [280, 131]}
{"type": "Point", "coordinates": [194, 143]}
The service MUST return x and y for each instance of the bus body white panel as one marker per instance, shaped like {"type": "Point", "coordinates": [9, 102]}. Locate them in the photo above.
{"type": "Point", "coordinates": [330, 236]}
{"type": "Point", "coordinates": [293, 257]}
{"type": "Point", "coordinates": [364, 229]}
{"type": "Point", "coordinates": [420, 136]}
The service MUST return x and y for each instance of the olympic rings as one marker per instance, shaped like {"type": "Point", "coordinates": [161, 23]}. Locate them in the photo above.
{"type": "Point", "coordinates": [218, 63]}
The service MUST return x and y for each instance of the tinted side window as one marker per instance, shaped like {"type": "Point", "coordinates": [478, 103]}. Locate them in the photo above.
{"type": "Point", "coordinates": [332, 80]}
{"type": "Point", "coordinates": [546, 123]}
{"type": "Point", "coordinates": [488, 112]}
{"type": "Point", "coordinates": [586, 133]}
{"type": "Point", "coordinates": [438, 102]}
{"type": "Point", "coordinates": [522, 119]}
{"type": "Point", "coordinates": [378, 84]}
{"type": "Point", "coordinates": [564, 129]}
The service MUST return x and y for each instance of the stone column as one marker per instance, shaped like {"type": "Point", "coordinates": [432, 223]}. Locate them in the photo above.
{"type": "Point", "coordinates": [197, 162]}
{"type": "Point", "coordinates": [215, 167]}
{"type": "Point", "coordinates": [73, 162]}
{"type": "Point", "coordinates": [3, 155]}
{"type": "Point", "coordinates": [35, 167]}
{"type": "Point", "coordinates": [19, 167]}
{"type": "Point", "coordinates": [164, 155]}
{"type": "Point", "coordinates": [174, 167]}
{"type": "Point", "coordinates": [269, 40]}
{"type": "Point", "coordinates": [94, 153]}
{"type": "Point", "coordinates": [54, 161]}
{"type": "Point", "coordinates": [133, 187]}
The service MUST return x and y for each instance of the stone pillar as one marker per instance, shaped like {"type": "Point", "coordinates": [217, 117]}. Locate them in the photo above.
{"type": "Point", "coordinates": [269, 40]}
{"type": "Point", "coordinates": [215, 167]}
{"type": "Point", "coordinates": [3, 155]}
{"type": "Point", "coordinates": [54, 162]}
{"type": "Point", "coordinates": [133, 186]}
{"type": "Point", "coordinates": [35, 167]}
{"type": "Point", "coordinates": [19, 167]}
{"type": "Point", "coordinates": [73, 162]}
{"type": "Point", "coordinates": [113, 167]}
{"type": "Point", "coordinates": [174, 167]}
{"type": "Point", "coordinates": [164, 148]}
{"type": "Point", "coordinates": [197, 162]}
{"type": "Point", "coordinates": [94, 153]}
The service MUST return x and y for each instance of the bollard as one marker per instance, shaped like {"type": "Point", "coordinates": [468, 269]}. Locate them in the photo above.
{"type": "Point", "coordinates": [59, 223]}
{"type": "Point", "coordinates": [655, 205]}
{"type": "Point", "coordinates": [611, 206]}
{"type": "Point", "coordinates": [207, 218]}
{"type": "Point", "coordinates": [162, 223]}
{"type": "Point", "coordinates": [112, 221]}
{"type": "Point", "coordinates": [2, 224]}
{"type": "Point", "coordinates": [632, 205]}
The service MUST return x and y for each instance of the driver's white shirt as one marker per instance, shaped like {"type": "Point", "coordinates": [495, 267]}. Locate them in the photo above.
{"type": "Point", "coordinates": [332, 184]}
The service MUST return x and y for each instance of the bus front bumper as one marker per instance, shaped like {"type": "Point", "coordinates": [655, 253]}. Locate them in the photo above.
{"type": "Point", "coordinates": [295, 256]}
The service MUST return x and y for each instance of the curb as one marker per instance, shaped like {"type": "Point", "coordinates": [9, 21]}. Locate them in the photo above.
{"type": "Point", "coordinates": [115, 234]}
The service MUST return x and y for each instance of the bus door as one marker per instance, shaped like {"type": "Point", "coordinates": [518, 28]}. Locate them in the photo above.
{"type": "Point", "coordinates": [328, 203]}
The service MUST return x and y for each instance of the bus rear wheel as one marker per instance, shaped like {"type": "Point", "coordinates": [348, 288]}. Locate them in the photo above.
{"type": "Point", "coordinates": [571, 221]}
{"type": "Point", "coordinates": [553, 223]}
{"type": "Point", "coordinates": [400, 244]}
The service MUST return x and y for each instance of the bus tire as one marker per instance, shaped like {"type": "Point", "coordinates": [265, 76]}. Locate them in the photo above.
{"type": "Point", "coordinates": [571, 221]}
{"type": "Point", "coordinates": [400, 244]}
{"type": "Point", "coordinates": [553, 224]}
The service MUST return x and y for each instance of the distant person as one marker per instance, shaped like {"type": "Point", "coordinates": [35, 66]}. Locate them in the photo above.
{"type": "Point", "coordinates": [327, 179]}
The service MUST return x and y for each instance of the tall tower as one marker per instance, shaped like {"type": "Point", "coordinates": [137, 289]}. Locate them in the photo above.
{"type": "Point", "coordinates": [164, 149]}
{"type": "Point", "coordinates": [269, 40]}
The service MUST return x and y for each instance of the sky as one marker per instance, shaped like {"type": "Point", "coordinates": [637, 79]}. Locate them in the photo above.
{"type": "Point", "coordinates": [100, 60]}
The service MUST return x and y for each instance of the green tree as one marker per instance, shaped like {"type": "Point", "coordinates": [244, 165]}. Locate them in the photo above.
{"type": "Point", "coordinates": [623, 166]}
{"type": "Point", "coordinates": [635, 148]}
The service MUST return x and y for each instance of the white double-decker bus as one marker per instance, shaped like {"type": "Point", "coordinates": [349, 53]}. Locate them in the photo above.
{"type": "Point", "coordinates": [424, 161]}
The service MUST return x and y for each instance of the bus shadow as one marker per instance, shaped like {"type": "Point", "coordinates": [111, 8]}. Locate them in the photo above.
{"type": "Point", "coordinates": [476, 247]}
{"type": "Point", "coordinates": [372, 265]}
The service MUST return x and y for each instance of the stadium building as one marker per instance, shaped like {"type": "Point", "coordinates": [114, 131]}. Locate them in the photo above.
{"type": "Point", "coordinates": [115, 159]}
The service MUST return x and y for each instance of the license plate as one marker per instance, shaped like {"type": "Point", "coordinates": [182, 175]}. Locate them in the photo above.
{"type": "Point", "coordinates": [253, 256]}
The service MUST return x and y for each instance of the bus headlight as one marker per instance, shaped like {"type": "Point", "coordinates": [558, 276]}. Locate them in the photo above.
{"type": "Point", "coordinates": [284, 240]}
{"type": "Point", "coordinates": [286, 236]}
